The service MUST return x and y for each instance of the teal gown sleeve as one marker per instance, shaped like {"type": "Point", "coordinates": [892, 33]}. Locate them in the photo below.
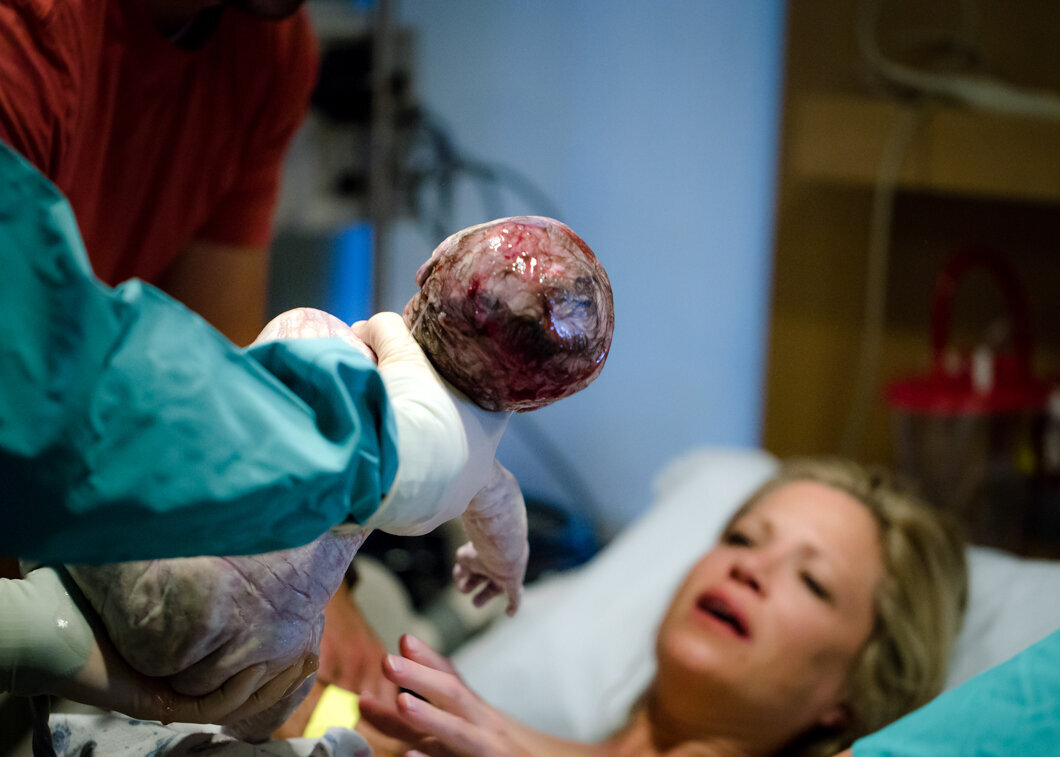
{"type": "Point", "coordinates": [1012, 709]}
{"type": "Point", "coordinates": [131, 429]}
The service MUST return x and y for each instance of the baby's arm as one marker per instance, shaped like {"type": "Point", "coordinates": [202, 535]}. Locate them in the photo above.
{"type": "Point", "coordinates": [498, 549]}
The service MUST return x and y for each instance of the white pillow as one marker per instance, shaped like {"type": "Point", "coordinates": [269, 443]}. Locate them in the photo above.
{"type": "Point", "coordinates": [1013, 602]}
{"type": "Point", "coordinates": [580, 651]}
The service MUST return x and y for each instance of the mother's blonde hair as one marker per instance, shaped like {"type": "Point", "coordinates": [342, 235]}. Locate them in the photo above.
{"type": "Point", "coordinates": [919, 602]}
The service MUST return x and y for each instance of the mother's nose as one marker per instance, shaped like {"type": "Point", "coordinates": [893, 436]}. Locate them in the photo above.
{"type": "Point", "coordinates": [749, 568]}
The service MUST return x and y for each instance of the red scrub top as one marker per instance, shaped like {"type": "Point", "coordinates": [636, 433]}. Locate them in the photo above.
{"type": "Point", "coordinates": [154, 146]}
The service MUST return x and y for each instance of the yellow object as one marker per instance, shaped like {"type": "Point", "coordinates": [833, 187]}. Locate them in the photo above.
{"type": "Point", "coordinates": [337, 707]}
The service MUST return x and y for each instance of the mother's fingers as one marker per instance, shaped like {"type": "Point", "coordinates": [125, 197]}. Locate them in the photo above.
{"type": "Point", "coordinates": [456, 734]}
{"type": "Point", "coordinates": [441, 688]}
{"type": "Point", "coordinates": [431, 748]}
{"type": "Point", "coordinates": [384, 717]}
{"type": "Point", "coordinates": [420, 652]}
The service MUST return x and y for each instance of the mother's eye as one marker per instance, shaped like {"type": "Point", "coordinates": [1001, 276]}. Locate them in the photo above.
{"type": "Point", "coordinates": [816, 588]}
{"type": "Point", "coordinates": [737, 539]}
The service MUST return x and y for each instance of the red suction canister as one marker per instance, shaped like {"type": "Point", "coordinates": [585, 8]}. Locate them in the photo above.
{"type": "Point", "coordinates": [965, 431]}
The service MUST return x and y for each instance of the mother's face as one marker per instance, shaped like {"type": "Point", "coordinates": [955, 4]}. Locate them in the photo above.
{"type": "Point", "coordinates": [771, 619]}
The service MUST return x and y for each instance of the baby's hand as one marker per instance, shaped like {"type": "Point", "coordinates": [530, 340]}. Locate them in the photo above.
{"type": "Point", "coordinates": [471, 572]}
{"type": "Point", "coordinates": [495, 558]}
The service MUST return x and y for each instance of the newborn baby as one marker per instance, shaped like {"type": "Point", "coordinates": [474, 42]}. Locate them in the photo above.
{"type": "Point", "coordinates": [515, 314]}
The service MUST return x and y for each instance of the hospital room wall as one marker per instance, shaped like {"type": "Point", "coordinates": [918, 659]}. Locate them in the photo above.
{"type": "Point", "coordinates": [653, 131]}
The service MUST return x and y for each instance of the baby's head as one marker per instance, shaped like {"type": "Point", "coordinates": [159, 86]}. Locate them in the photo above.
{"type": "Point", "coordinates": [515, 313]}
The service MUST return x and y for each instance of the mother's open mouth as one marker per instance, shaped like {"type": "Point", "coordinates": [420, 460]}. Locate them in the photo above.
{"type": "Point", "coordinates": [722, 610]}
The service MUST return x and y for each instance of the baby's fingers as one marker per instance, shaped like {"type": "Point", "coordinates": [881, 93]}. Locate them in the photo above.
{"type": "Point", "coordinates": [489, 591]}
{"type": "Point", "coordinates": [467, 581]}
{"type": "Point", "coordinates": [515, 598]}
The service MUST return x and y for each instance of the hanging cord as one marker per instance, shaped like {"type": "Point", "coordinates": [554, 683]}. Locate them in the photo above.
{"type": "Point", "coordinates": [974, 88]}
{"type": "Point", "coordinates": [905, 128]}
{"type": "Point", "coordinates": [434, 165]}
{"type": "Point", "coordinates": [917, 88]}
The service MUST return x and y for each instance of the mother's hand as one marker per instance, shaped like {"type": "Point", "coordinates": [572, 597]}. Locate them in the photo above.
{"type": "Point", "coordinates": [450, 720]}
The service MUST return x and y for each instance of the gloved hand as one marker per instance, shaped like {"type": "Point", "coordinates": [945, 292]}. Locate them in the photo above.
{"type": "Point", "coordinates": [446, 443]}
{"type": "Point", "coordinates": [48, 644]}
{"type": "Point", "coordinates": [496, 555]}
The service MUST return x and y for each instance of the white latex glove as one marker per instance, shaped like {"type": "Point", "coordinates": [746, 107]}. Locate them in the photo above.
{"type": "Point", "coordinates": [446, 443]}
{"type": "Point", "coordinates": [48, 645]}
{"type": "Point", "coordinates": [495, 557]}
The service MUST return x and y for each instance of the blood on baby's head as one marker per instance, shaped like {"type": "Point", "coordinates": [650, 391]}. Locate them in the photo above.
{"type": "Point", "coordinates": [515, 313]}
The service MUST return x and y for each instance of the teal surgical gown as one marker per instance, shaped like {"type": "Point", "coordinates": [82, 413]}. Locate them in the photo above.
{"type": "Point", "coordinates": [131, 429]}
{"type": "Point", "coordinates": [1012, 709]}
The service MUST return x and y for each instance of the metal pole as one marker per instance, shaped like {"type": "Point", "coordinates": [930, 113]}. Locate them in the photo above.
{"type": "Point", "coordinates": [381, 142]}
